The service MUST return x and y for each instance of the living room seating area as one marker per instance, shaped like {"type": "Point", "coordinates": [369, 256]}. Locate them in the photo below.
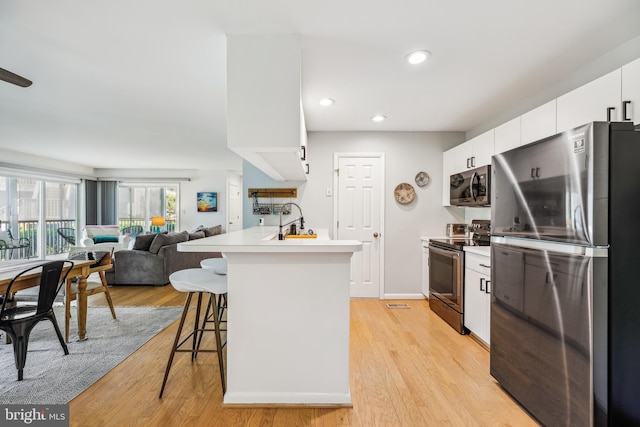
{"type": "Point", "coordinates": [154, 257]}
{"type": "Point", "coordinates": [104, 237]}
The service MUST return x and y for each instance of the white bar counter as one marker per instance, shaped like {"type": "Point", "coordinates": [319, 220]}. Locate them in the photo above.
{"type": "Point", "coordinates": [288, 317]}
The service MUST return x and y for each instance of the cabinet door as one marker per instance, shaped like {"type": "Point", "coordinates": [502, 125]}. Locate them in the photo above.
{"type": "Point", "coordinates": [449, 167]}
{"type": "Point", "coordinates": [463, 157]}
{"type": "Point", "coordinates": [482, 148]}
{"type": "Point", "coordinates": [507, 136]}
{"type": "Point", "coordinates": [538, 123]}
{"type": "Point", "coordinates": [476, 304]}
{"type": "Point", "coordinates": [631, 91]}
{"type": "Point", "coordinates": [590, 102]}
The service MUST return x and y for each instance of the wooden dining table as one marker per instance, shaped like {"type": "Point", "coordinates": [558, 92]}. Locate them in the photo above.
{"type": "Point", "coordinates": [81, 270]}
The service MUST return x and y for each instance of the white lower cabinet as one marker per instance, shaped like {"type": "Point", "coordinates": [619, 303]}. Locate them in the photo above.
{"type": "Point", "coordinates": [477, 295]}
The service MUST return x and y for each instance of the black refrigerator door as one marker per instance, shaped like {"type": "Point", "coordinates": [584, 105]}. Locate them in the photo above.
{"type": "Point", "coordinates": [540, 332]}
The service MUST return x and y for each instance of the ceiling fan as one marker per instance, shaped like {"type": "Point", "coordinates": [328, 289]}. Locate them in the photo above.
{"type": "Point", "coordinates": [10, 77]}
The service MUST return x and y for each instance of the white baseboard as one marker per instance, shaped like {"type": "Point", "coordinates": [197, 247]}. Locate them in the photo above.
{"type": "Point", "coordinates": [292, 398]}
{"type": "Point", "coordinates": [404, 296]}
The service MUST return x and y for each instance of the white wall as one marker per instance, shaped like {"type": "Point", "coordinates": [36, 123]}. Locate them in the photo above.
{"type": "Point", "coordinates": [406, 154]}
{"type": "Point", "coordinates": [204, 180]}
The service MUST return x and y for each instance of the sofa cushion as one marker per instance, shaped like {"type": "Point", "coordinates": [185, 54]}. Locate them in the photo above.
{"type": "Point", "coordinates": [101, 230]}
{"type": "Point", "coordinates": [196, 235]}
{"type": "Point", "coordinates": [143, 242]}
{"type": "Point", "coordinates": [212, 231]}
{"type": "Point", "coordinates": [167, 239]}
{"type": "Point", "coordinates": [105, 239]}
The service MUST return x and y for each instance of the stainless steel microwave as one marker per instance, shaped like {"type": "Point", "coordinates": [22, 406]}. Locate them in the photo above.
{"type": "Point", "coordinates": [471, 187]}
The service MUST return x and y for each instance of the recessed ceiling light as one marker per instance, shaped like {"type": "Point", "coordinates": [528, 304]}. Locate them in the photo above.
{"type": "Point", "coordinates": [378, 118]}
{"type": "Point", "coordinates": [418, 57]}
{"type": "Point", "coordinates": [325, 102]}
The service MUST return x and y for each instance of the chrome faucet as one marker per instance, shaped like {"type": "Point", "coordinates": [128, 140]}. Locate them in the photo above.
{"type": "Point", "coordinates": [300, 218]}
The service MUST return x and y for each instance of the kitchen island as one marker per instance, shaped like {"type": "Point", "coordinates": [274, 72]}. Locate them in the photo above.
{"type": "Point", "coordinates": [288, 317]}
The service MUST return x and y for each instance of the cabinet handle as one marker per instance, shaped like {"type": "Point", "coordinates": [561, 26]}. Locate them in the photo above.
{"type": "Point", "coordinates": [487, 287]}
{"type": "Point", "coordinates": [533, 172]}
{"type": "Point", "coordinates": [304, 153]}
{"type": "Point", "coordinates": [485, 265]}
{"type": "Point", "coordinates": [537, 172]}
{"type": "Point", "coordinates": [307, 167]}
{"type": "Point", "coordinates": [473, 162]}
{"type": "Point", "coordinates": [609, 111]}
{"type": "Point", "coordinates": [625, 104]}
{"type": "Point", "coordinates": [468, 162]}
{"type": "Point", "coordinates": [482, 279]}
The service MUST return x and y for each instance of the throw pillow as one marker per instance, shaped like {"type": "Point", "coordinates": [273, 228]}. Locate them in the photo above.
{"type": "Point", "coordinates": [212, 231]}
{"type": "Point", "coordinates": [143, 242]}
{"type": "Point", "coordinates": [167, 239]}
{"type": "Point", "coordinates": [196, 235]}
{"type": "Point", "coordinates": [105, 239]}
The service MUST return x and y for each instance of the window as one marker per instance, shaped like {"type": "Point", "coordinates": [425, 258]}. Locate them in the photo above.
{"type": "Point", "coordinates": [138, 203]}
{"type": "Point", "coordinates": [32, 211]}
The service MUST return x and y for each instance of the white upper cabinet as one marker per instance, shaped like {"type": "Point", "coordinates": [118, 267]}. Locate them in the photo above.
{"type": "Point", "coordinates": [507, 136]}
{"type": "Point", "coordinates": [538, 123]}
{"type": "Point", "coordinates": [449, 166]}
{"type": "Point", "coordinates": [475, 152]}
{"type": "Point", "coordinates": [265, 124]}
{"type": "Point", "coordinates": [483, 148]}
{"type": "Point", "coordinates": [598, 100]}
{"type": "Point", "coordinates": [631, 92]}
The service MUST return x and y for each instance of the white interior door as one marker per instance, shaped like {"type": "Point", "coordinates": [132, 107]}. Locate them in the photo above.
{"type": "Point", "coordinates": [360, 217]}
{"type": "Point", "coordinates": [234, 214]}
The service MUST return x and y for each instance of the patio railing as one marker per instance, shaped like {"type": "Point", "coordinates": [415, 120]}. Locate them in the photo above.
{"type": "Point", "coordinates": [55, 244]}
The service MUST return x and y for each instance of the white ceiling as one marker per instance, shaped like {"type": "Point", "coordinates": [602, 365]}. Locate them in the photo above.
{"type": "Point", "coordinates": [142, 84]}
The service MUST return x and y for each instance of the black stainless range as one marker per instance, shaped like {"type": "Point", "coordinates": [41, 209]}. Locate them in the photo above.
{"type": "Point", "coordinates": [446, 273]}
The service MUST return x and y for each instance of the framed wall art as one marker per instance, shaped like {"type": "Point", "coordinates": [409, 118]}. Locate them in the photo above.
{"type": "Point", "coordinates": [207, 201]}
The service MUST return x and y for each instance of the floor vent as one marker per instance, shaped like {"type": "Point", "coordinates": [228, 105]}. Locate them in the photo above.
{"type": "Point", "coordinates": [397, 305]}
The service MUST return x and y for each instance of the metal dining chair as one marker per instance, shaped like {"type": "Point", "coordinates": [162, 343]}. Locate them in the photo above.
{"type": "Point", "coordinates": [18, 321]}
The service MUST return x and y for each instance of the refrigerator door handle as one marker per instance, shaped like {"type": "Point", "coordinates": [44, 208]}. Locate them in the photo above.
{"type": "Point", "coordinates": [545, 245]}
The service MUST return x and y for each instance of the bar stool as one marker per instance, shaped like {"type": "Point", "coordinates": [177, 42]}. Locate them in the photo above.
{"type": "Point", "coordinates": [218, 265]}
{"type": "Point", "coordinates": [199, 280]}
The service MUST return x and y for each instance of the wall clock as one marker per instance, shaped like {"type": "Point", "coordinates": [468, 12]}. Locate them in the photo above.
{"type": "Point", "coordinates": [404, 193]}
{"type": "Point", "coordinates": [422, 179]}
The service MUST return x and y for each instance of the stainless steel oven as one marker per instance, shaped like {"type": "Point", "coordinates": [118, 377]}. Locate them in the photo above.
{"type": "Point", "coordinates": [446, 283]}
{"type": "Point", "coordinates": [446, 273]}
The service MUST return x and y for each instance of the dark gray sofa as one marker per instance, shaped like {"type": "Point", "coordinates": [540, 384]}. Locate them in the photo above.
{"type": "Point", "coordinates": [154, 257]}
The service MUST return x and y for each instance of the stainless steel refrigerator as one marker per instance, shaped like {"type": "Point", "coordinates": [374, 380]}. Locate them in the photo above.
{"type": "Point", "coordinates": [565, 245]}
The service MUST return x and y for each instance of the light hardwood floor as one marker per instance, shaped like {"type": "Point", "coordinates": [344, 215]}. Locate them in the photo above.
{"type": "Point", "coordinates": [408, 368]}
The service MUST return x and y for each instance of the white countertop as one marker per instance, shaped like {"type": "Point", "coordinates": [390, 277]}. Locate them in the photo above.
{"type": "Point", "coordinates": [265, 239]}
{"type": "Point", "coordinates": [480, 250]}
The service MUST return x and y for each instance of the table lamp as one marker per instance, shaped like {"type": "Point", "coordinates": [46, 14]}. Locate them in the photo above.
{"type": "Point", "coordinates": [157, 222]}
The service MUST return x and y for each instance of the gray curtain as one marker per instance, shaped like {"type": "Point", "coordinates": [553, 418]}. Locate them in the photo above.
{"type": "Point", "coordinates": [102, 202]}
{"type": "Point", "coordinates": [108, 193]}
{"type": "Point", "coordinates": [91, 197]}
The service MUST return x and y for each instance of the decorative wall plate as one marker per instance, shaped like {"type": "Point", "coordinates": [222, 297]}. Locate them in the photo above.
{"type": "Point", "coordinates": [422, 179]}
{"type": "Point", "coordinates": [404, 193]}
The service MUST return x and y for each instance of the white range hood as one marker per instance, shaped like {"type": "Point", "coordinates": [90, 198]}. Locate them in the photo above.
{"type": "Point", "coordinates": [265, 123]}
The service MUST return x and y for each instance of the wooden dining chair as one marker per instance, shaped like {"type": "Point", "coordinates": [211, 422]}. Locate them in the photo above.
{"type": "Point", "coordinates": [93, 287]}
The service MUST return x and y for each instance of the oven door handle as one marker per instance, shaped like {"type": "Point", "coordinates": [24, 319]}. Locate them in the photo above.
{"type": "Point", "coordinates": [445, 252]}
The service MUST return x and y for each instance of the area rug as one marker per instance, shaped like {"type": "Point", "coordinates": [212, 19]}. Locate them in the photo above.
{"type": "Point", "coordinates": [50, 377]}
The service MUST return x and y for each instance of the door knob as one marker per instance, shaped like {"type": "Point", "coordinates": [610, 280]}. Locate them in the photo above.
{"type": "Point", "coordinates": [375, 234]}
